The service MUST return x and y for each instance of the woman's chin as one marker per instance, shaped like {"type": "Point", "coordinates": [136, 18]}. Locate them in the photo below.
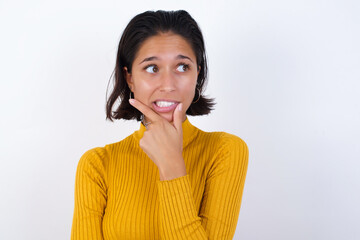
{"type": "Point", "coordinates": [167, 116]}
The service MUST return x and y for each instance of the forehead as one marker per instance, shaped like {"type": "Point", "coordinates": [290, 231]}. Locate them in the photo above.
{"type": "Point", "coordinates": [165, 45]}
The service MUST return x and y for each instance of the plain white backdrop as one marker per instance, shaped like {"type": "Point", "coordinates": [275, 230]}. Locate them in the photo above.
{"type": "Point", "coordinates": [285, 75]}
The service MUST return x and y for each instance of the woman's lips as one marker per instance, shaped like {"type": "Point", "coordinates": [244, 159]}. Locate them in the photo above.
{"type": "Point", "coordinates": [163, 106]}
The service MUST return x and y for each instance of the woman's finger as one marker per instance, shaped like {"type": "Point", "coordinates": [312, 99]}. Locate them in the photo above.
{"type": "Point", "coordinates": [148, 112]}
{"type": "Point", "coordinates": [177, 117]}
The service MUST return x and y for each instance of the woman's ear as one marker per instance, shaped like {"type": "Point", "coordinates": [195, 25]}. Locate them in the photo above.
{"type": "Point", "coordinates": [199, 68]}
{"type": "Point", "coordinates": [128, 78]}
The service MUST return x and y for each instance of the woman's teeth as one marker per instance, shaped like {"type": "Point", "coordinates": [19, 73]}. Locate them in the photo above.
{"type": "Point", "coordinates": [164, 103]}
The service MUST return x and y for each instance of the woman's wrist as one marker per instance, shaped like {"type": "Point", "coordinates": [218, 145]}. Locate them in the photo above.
{"type": "Point", "coordinates": [174, 171]}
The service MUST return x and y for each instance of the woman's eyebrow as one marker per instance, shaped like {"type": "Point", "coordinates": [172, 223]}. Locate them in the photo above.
{"type": "Point", "coordinates": [156, 58]}
{"type": "Point", "coordinates": [183, 57]}
{"type": "Point", "coordinates": [149, 59]}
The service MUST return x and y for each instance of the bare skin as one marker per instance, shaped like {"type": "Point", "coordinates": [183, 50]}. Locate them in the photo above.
{"type": "Point", "coordinates": [168, 158]}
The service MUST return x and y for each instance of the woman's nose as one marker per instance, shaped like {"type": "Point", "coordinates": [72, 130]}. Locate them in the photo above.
{"type": "Point", "coordinates": [167, 82]}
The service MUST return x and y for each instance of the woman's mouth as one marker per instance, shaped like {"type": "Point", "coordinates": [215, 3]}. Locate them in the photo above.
{"type": "Point", "coordinates": [164, 106]}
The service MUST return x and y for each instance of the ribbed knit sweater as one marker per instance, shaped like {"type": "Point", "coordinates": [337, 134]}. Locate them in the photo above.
{"type": "Point", "coordinates": [119, 195]}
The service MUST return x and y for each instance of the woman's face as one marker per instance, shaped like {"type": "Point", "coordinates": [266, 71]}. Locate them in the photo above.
{"type": "Point", "coordinates": [164, 74]}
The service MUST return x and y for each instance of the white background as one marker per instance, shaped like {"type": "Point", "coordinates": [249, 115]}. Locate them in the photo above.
{"type": "Point", "coordinates": [285, 75]}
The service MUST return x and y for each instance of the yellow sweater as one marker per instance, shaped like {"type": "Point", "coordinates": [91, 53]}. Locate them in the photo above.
{"type": "Point", "coordinates": [119, 195]}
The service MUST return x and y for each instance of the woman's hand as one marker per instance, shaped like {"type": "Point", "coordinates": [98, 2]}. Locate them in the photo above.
{"type": "Point", "coordinates": [162, 141]}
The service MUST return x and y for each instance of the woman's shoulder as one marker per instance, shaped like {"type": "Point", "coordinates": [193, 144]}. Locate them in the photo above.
{"type": "Point", "coordinates": [103, 154]}
{"type": "Point", "coordinates": [227, 149]}
{"type": "Point", "coordinates": [223, 139]}
{"type": "Point", "coordinates": [95, 157]}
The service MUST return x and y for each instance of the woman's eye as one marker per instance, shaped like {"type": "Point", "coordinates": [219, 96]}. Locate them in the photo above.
{"type": "Point", "coordinates": [182, 67]}
{"type": "Point", "coordinates": [152, 69]}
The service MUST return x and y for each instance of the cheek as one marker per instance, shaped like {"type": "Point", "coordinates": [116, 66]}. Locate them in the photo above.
{"type": "Point", "coordinates": [142, 92]}
{"type": "Point", "coordinates": [142, 85]}
{"type": "Point", "coordinates": [189, 91]}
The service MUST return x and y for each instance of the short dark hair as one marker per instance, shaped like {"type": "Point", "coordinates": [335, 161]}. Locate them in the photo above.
{"type": "Point", "coordinates": [140, 28]}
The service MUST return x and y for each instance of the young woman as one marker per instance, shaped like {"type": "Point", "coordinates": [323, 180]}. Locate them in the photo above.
{"type": "Point", "coordinates": [169, 179]}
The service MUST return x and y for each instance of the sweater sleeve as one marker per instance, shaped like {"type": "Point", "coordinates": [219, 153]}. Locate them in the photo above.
{"type": "Point", "coordinates": [221, 200]}
{"type": "Point", "coordinates": [90, 196]}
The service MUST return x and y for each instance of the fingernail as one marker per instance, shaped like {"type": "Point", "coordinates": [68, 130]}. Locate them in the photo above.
{"type": "Point", "coordinates": [131, 101]}
{"type": "Point", "coordinates": [180, 107]}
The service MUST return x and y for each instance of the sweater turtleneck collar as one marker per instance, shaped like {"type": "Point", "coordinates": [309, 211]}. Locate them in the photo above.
{"type": "Point", "coordinates": [189, 132]}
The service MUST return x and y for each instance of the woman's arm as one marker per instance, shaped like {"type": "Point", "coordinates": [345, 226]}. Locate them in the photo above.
{"type": "Point", "coordinates": [162, 141]}
{"type": "Point", "coordinates": [220, 207]}
{"type": "Point", "coordinates": [221, 201]}
{"type": "Point", "coordinates": [90, 196]}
